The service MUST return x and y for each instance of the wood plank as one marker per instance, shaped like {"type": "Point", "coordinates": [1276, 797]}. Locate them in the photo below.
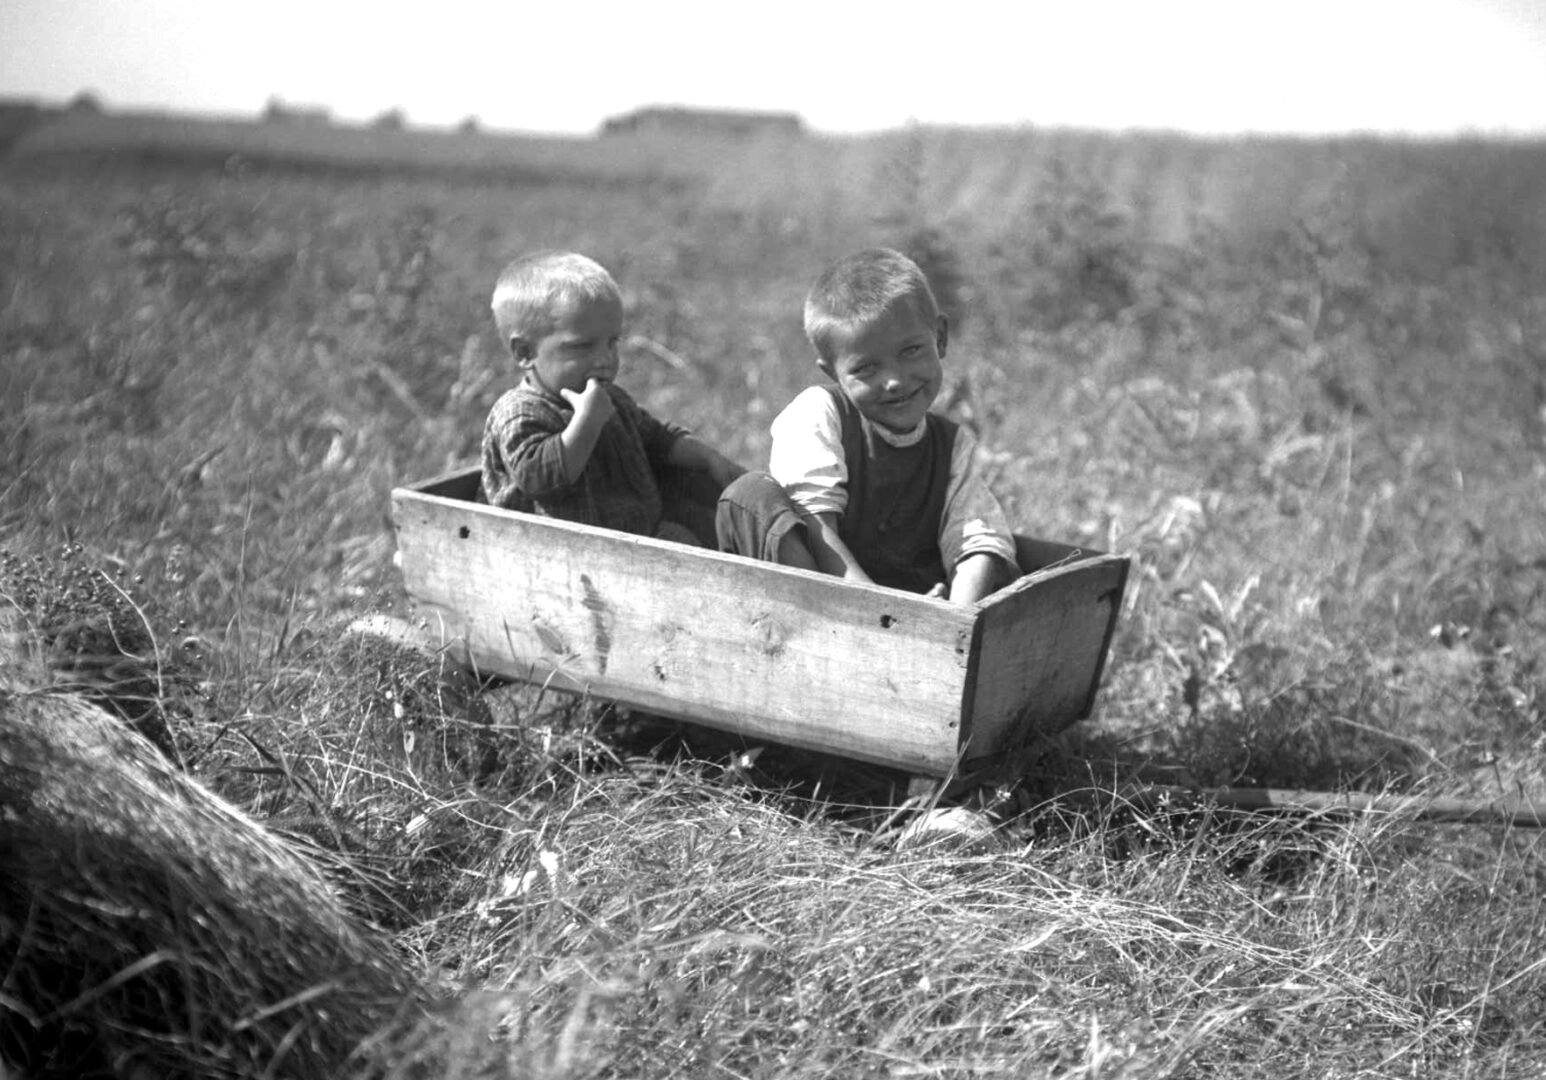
{"type": "Point", "coordinates": [1043, 643]}
{"type": "Point", "coordinates": [1511, 811]}
{"type": "Point", "coordinates": [460, 483]}
{"type": "Point", "coordinates": [800, 658]}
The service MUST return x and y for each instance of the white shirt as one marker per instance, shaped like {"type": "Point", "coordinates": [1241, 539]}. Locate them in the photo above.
{"type": "Point", "coordinates": [807, 459]}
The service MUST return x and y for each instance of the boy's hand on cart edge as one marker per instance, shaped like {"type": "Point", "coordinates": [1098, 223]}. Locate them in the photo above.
{"type": "Point", "coordinates": [592, 406]}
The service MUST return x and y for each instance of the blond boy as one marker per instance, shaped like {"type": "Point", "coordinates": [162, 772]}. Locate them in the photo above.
{"type": "Point", "coordinates": [567, 441]}
{"type": "Point", "coordinates": [888, 492]}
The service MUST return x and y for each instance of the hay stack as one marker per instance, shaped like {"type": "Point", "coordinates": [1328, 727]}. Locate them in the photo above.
{"type": "Point", "coordinates": [147, 928]}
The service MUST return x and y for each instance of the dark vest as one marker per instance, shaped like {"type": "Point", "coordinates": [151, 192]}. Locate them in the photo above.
{"type": "Point", "coordinates": [896, 499]}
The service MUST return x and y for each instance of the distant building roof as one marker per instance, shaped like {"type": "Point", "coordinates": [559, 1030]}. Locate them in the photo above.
{"type": "Point", "coordinates": [681, 118]}
{"type": "Point", "coordinates": [279, 112]}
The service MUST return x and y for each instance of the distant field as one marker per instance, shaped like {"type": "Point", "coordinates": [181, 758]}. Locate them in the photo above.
{"type": "Point", "coordinates": [301, 145]}
{"type": "Point", "coordinates": [1425, 202]}
{"type": "Point", "coordinates": [1302, 384]}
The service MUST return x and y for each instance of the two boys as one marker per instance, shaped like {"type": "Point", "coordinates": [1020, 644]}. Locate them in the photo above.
{"type": "Point", "coordinates": [865, 482]}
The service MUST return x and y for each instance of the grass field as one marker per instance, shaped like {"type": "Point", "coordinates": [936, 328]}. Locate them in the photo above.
{"type": "Point", "coordinates": [1302, 384]}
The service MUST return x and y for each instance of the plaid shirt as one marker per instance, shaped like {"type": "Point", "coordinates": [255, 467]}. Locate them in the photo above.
{"type": "Point", "coordinates": [523, 467]}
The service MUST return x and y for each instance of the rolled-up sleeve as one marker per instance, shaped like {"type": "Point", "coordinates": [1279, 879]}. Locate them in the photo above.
{"type": "Point", "coordinates": [807, 454]}
{"type": "Point", "coordinates": [974, 521]}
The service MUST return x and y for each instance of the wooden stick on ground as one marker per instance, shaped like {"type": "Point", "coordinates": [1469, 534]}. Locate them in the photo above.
{"type": "Point", "coordinates": [1516, 812]}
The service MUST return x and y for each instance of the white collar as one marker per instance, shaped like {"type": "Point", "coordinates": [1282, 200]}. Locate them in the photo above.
{"type": "Point", "coordinates": [901, 439]}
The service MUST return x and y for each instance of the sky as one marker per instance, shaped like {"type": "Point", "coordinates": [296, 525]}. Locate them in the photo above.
{"type": "Point", "coordinates": [1423, 67]}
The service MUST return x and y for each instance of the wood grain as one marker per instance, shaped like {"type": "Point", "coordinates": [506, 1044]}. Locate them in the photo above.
{"type": "Point", "coordinates": [1043, 643]}
{"type": "Point", "coordinates": [796, 657]}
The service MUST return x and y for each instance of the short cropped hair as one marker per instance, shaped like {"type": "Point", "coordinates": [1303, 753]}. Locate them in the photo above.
{"type": "Point", "coordinates": [531, 289]}
{"type": "Point", "coordinates": [860, 288]}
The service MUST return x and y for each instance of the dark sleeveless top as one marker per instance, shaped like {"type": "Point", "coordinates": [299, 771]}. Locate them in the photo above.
{"type": "Point", "coordinates": [896, 499]}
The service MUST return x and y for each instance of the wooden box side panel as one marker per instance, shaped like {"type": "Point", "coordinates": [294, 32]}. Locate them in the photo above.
{"type": "Point", "coordinates": [462, 484]}
{"type": "Point", "coordinates": [1042, 649]}
{"type": "Point", "coordinates": [1034, 554]}
{"type": "Point", "coordinates": [754, 648]}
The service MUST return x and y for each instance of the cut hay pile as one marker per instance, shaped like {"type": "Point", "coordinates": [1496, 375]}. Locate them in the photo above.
{"type": "Point", "coordinates": [147, 928]}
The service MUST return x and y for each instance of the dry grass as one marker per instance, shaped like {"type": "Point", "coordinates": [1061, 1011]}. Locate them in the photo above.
{"type": "Point", "coordinates": [147, 928]}
{"type": "Point", "coordinates": [660, 924]}
{"type": "Point", "coordinates": [1311, 414]}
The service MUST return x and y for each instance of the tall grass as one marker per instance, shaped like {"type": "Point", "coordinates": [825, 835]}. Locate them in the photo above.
{"type": "Point", "coordinates": [1300, 383]}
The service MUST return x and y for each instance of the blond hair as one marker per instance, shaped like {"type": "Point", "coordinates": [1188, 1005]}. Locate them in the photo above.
{"type": "Point", "coordinates": [531, 290]}
{"type": "Point", "coordinates": [860, 288]}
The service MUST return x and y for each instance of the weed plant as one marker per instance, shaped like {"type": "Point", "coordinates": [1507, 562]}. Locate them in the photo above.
{"type": "Point", "coordinates": [1301, 385]}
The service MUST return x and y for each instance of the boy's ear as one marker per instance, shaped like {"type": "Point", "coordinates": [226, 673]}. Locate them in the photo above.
{"type": "Point", "coordinates": [942, 333]}
{"type": "Point", "coordinates": [826, 367]}
{"type": "Point", "coordinates": [521, 349]}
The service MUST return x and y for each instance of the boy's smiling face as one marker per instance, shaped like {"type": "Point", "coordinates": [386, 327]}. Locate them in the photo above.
{"type": "Point", "coordinates": [889, 367]}
{"type": "Point", "coordinates": [581, 344]}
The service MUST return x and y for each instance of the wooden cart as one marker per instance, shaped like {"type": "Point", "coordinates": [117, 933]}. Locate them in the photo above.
{"type": "Point", "coordinates": [919, 684]}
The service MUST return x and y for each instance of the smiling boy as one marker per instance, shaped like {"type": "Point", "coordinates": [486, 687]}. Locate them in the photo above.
{"type": "Point", "coordinates": [889, 491]}
{"type": "Point", "coordinates": [567, 441]}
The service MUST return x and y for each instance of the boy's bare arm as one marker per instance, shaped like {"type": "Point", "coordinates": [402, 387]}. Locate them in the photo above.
{"type": "Point", "coordinates": [976, 576]}
{"type": "Point", "coordinates": [592, 409]}
{"type": "Point", "coordinates": [831, 554]}
{"type": "Point", "coordinates": [691, 453]}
